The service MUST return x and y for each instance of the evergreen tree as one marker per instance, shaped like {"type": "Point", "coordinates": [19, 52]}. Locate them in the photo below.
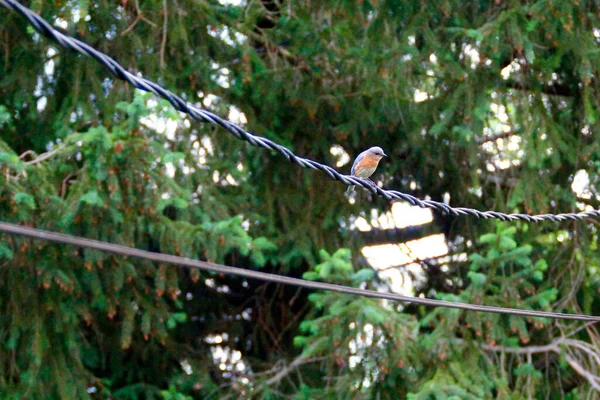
{"type": "Point", "coordinates": [488, 104]}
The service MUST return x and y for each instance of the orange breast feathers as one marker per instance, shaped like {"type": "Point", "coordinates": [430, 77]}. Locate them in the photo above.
{"type": "Point", "coordinates": [369, 162]}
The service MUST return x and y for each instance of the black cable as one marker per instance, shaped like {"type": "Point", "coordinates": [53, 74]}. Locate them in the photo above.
{"type": "Point", "coordinates": [180, 104]}
{"type": "Point", "coordinates": [203, 265]}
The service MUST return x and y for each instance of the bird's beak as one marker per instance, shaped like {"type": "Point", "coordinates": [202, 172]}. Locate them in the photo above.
{"type": "Point", "coordinates": [385, 155]}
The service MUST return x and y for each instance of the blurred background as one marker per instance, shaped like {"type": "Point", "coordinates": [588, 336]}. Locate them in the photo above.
{"type": "Point", "coordinates": [485, 104]}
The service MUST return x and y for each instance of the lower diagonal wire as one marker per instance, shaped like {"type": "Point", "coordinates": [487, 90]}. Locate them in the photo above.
{"type": "Point", "coordinates": [263, 276]}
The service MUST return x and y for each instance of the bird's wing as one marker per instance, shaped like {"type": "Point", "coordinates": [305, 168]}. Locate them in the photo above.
{"type": "Point", "coordinates": [358, 159]}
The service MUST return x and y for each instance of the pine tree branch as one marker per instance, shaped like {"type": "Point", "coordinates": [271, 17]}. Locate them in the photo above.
{"type": "Point", "coordinates": [594, 381]}
{"type": "Point", "coordinates": [42, 157]}
{"type": "Point", "coordinates": [493, 138]}
{"type": "Point", "coordinates": [302, 359]}
{"type": "Point", "coordinates": [552, 347]}
{"type": "Point", "coordinates": [287, 369]}
{"type": "Point", "coordinates": [504, 180]}
{"type": "Point", "coordinates": [428, 262]}
{"type": "Point", "coordinates": [292, 59]}
{"type": "Point", "coordinates": [562, 346]}
{"type": "Point", "coordinates": [376, 237]}
{"type": "Point", "coordinates": [554, 90]}
{"type": "Point", "coordinates": [163, 43]}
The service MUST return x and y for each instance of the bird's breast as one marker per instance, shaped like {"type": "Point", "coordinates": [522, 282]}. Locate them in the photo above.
{"type": "Point", "coordinates": [364, 172]}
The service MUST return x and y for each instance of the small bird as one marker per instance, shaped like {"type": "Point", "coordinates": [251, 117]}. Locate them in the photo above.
{"type": "Point", "coordinates": [366, 163]}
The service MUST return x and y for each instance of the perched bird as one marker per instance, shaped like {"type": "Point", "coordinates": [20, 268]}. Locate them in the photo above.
{"type": "Point", "coordinates": [366, 163]}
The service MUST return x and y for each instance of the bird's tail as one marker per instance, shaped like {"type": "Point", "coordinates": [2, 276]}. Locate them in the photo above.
{"type": "Point", "coordinates": [350, 188]}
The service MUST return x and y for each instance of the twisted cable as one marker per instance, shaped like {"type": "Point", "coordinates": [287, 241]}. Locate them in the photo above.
{"type": "Point", "coordinates": [119, 72]}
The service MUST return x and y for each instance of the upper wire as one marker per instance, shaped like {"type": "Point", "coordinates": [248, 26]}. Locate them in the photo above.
{"type": "Point", "coordinates": [44, 28]}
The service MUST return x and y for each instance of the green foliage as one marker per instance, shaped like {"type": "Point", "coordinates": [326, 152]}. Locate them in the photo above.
{"type": "Point", "coordinates": [505, 275]}
{"type": "Point", "coordinates": [25, 199]}
{"type": "Point", "coordinates": [5, 251]}
{"type": "Point", "coordinates": [452, 383]}
{"type": "Point", "coordinates": [174, 394]}
{"type": "Point", "coordinates": [334, 267]}
{"type": "Point", "coordinates": [116, 194]}
{"type": "Point", "coordinates": [366, 332]}
{"type": "Point", "coordinates": [490, 104]}
{"type": "Point", "coordinates": [5, 116]}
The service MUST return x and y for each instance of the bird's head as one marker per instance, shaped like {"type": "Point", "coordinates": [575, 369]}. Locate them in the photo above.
{"type": "Point", "coordinates": [376, 152]}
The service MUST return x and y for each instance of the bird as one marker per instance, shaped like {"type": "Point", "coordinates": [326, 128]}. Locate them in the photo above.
{"type": "Point", "coordinates": [366, 163]}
